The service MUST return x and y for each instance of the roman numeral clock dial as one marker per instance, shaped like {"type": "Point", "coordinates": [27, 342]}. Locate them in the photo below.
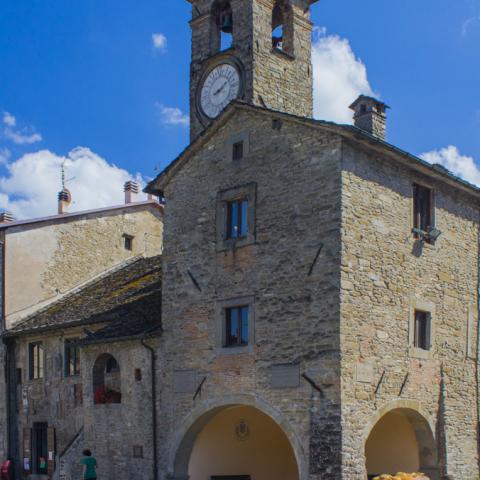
{"type": "Point", "coordinates": [220, 86]}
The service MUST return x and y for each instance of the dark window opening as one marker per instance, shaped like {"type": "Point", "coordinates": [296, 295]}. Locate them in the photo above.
{"type": "Point", "coordinates": [36, 360]}
{"type": "Point", "coordinates": [363, 108]}
{"type": "Point", "coordinates": [236, 326]}
{"type": "Point", "coordinates": [423, 213]}
{"type": "Point", "coordinates": [19, 376]}
{"type": "Point", "coordinates": [137, 451]}
{"type": "Point", "coordinates": [237, 151]}
{"type": "Point", "coordinates": [422, 330]}
{"type": "Point", "coordinates": [106, 380]}
{"type": "Point", "coordinates": [236, 219]}
{"type": "Point", "coordinates": [72, 359]}
{"type": "Point", "coordinates": [138, 375]}
{"type": "Point", "coordinates": [128, 242]}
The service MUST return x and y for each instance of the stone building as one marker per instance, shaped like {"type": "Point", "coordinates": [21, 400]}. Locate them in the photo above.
{"type": "Point", "coordinates": [319, 290]}
{"type": "Point", "coordinates": [47, 262]}
{"type": "Point", "coordinates": [322, 282]}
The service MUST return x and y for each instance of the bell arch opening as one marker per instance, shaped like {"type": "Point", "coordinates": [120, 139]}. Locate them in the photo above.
{"type": "Point", "coordinates": [222, 23]}
{"type": "Point", "coordinates": [401, 441]}
{"type": "Point", "coordinates": [236, 442]}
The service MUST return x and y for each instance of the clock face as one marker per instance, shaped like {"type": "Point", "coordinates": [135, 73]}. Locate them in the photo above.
{"type": "Point", "coordinates": [221, 86]}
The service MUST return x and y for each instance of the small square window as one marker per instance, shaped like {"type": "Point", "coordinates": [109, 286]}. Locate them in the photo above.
{"type": "Point", "coordinates": [422, 330]}
{"type": "Point", "coordinates": [72, 359]}
{"type": "Point", "coordinates": [237, 151]}
{"type": "Point", "coordinates": [236, 326]}
{"type": "Point", "coordinates": [36, 360]}
{"type": "Point", "coordinates": [137, 451]}
{"type": "Point", "coordinates": [236, 221]}
{"type": "Point", "coordinates": [128, 242]}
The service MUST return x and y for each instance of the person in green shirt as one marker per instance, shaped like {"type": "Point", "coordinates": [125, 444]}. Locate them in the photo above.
{"type": "Point", "coordinates": [89, 466]}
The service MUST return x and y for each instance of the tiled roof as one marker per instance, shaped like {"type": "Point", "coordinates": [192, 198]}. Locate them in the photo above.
{"type": "Point", "coordinates": [127, 298]}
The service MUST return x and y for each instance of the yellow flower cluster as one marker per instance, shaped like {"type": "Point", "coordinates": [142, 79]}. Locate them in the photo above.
{"type": "Point", "coordinates": [403, 476]}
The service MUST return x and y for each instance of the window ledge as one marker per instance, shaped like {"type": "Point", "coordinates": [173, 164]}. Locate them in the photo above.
{"type": "Point", "coordinates": [234, 244]}
{"type": "Point", "coordinates": [419, 353]}
{"type": "Point", "coordinates": [283, 54]}
{"type": "Point", "coordinates": [247, 349]}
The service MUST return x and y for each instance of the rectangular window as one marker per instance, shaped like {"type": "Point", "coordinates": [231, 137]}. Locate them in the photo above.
{"type": "Point", "coordinates": [128, 242]}
{"type": "Point", "coordinates": [36, 360]}
{"type": "Point", "coordinates": [237, 151]}
{"type": "Point", "coordinates": [72, 359]}
{"type": "Point", "coordinates": [236, 326]}
{"type": "Point", "coordinates": [423, 213]}
{"type": "Point", "coordinates": [422, 330]}
{"type": "Point", "coordinates": [236, 212]}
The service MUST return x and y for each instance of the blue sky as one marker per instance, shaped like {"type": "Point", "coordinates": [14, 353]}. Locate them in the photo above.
{"type": "Point", "coordinates": [84, 81]}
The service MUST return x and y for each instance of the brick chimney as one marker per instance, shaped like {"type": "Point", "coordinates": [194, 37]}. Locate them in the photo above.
{"type": "Point", "coordinates": [131, 189]}
{"type": "Point", "coordinates": [6, 217]}
{"type": "Point", "coordinates": [371, 116]}
{"type": "Point", "coordinates": [64, 200]}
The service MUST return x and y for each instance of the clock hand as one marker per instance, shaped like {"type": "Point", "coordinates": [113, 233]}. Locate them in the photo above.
{"type": "Point", "coordinates": [221, 88]}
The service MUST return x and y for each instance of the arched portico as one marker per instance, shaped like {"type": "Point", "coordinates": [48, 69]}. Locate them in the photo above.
{"type": "Point", "coordinates": [400, 438]}
{"type": "Point", "coordinates": [204, 425]}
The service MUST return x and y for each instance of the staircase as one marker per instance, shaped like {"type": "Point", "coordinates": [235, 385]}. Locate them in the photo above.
{"type": "Point", "coordinates": [68, 462]}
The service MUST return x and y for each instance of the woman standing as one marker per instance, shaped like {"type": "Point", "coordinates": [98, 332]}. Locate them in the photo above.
{"type": "Point", "coordinates": [89, 466]}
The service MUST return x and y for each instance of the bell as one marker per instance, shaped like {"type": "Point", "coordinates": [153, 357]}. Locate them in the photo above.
{"type": "Point", "coordinates": [227, 23]}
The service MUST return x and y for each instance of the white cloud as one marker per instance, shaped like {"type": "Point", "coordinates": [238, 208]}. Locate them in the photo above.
{"type": "Point", "coordinates": [33, 181]}
{"type": "Point", "coordinates": [22, 138]}
{"type": "Point", "coordinates": [460, 165]}
{"type": "Point", "coordinates": [25, 136]}
{"type": "Point", "coordinates": [4, 156]}
{"type": "Point", "coordinates": [159, 42]}
{"type": "Point", "coordinates": [172, 115]}
{"type": "Point", "coordinates": [9, 119]}
{"type": "Point", "coordinates": [339, 77]}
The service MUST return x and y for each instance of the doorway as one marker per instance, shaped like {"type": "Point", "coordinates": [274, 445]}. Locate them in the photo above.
{"type": "Point", "coordinates": [40, 448]}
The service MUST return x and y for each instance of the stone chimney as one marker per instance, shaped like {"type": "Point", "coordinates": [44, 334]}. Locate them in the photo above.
{"type": "Point", "coordinates": [130, 189]}
{"type": "Point", "coordinates": [64, 201]}
{"type": "Point", "coordinates": [6, 217]}
{"type": "Point", "coordinates": [371, 116]}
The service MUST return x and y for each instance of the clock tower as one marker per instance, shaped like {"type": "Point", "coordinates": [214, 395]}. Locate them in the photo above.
{"type": "Point", "coordinates": [255, 50]}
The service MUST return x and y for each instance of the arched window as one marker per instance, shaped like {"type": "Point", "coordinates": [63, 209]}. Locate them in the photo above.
{"type": "Point", "coordinates": [222, 16]}
{"type": "Point", "coordinates": [282, 27]}
{"type": "Point", "coordinates": [106, 380]}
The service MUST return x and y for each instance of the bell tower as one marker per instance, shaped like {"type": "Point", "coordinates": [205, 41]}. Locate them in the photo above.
{"type": "Point", "coordinates": [255, 50]}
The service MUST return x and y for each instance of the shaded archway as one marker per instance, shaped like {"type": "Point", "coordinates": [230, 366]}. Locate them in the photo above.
{"type": "Point", "coordinates": [401, 441]}
{"type": "Point", "coordinates": [237, 439]}
{"type": "Point", "coordinates": [106, 380]}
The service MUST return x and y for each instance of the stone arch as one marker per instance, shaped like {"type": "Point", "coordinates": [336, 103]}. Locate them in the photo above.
{"type": "Point", "coordinates": [106, 380]}
{"type": "Point", "coordinates": [422, 427]}
{"type": "Point", "coordinates": [196, 421]}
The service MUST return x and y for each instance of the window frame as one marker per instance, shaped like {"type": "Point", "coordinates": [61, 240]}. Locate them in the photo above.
{"type": "Point", "coordinates": [242, 312]}
{"type": "Point", "coordinates": [221, 308]}
{"type": "Point", "coordinates": [68, 346]}
{"type": "Point", "coordinates": [417, 222]}
{"type": "Point", "coordinates": [247, 192]}
{"type": "Point", "coordinates": [36, 349]}
{"type": "Point", "coordinates": [421, 333]}
{"type": "Point", "coordinates": [128, 242]}
{"type": "Point", "coordinates": [236, 208]}
{"type": "Point", "coordinates": [418, 305]}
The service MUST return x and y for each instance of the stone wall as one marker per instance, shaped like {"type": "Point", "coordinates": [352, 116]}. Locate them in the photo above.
{"type": "Point", "coordinates": [386, 274]}
{"type": "Point", "coordinates": [110, 431]}
{"type": "Point", "coordinates": [113, 430]}
{"type": "Point", "coordinates": [296, 174]}
{"type": "Point", "coordinates": [45, 260]}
